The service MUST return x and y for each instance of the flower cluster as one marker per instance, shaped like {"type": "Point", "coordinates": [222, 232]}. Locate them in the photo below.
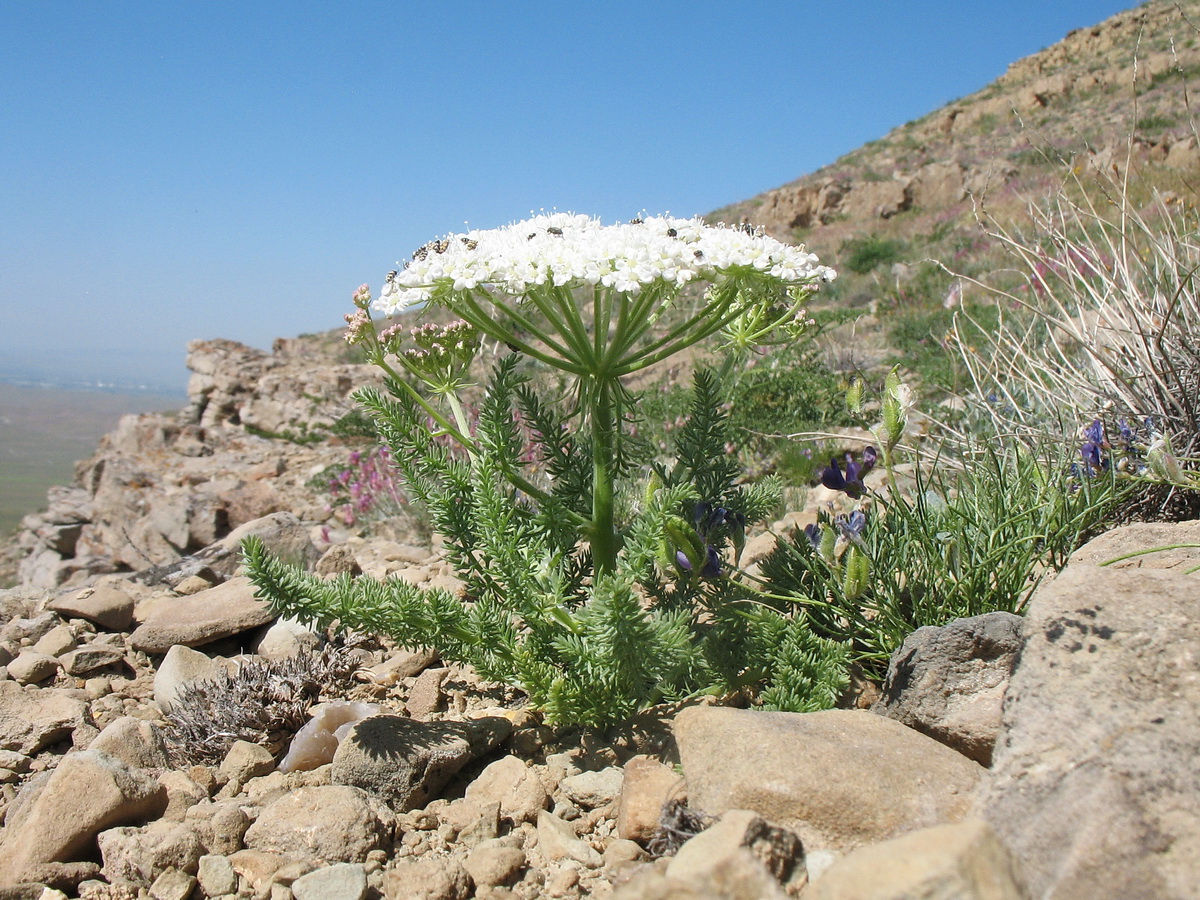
{"type": "Point", "coordinates": [1141, 452]}
{"type": "Point", "coordinates": [367, 488]}
{"type": "Point", "coordinates": [441, 351]}
{"type": "Point", "coordinates": [564, 249]}
{"type": "Point", "coordinates": [850, 482]}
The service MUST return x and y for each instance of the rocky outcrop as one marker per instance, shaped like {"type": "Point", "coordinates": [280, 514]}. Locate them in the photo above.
{"type": "Point", "coordinates": [160, 487]}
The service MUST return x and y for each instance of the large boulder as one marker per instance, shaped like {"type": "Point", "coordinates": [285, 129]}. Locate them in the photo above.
{"type": "Point", "coordinates": [964, 860]}
{"type": "Point", "coordinates": [838, 778]}
{"type": "Point", "coordinates": [1094, 784]}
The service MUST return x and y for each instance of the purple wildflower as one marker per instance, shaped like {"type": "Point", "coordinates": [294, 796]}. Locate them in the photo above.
{"type": "Point", "coordinates": [850, 483]}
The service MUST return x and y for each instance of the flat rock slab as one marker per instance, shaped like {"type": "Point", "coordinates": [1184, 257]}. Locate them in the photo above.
{"type": "Point", "coordinates": [201, 618]}
{"type": "Point", "coordinates": [105, 604]}
{"type": "Point", "coordinates": [31, 719]}
{"type": "Point", "coordinates": [839, 778]}
{"type": "Point", "coordinates": [1096, 787]}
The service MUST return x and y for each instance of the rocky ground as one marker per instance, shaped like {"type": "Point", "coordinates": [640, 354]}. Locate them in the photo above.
{"type": "Point", "coordinates": [1051, 756]}
{"type": "Point", "coordinates": [148, 704]}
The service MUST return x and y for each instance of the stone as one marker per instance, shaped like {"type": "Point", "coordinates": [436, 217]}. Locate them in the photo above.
{"type": "Point", "coordinates": [282, 533]}
{"type": "Point", "coordinates": [286, 637]}
{"type": "Point", "coordinates": [106, 604]}
{"type": "Point", "coordinates": [317, 740]}
{"type": "Point", "coordinates": [473, 822]}
{"type": "Point", "coordinates": [32, 719]}
{"type": "Point", "coordinates": [402, 664]}
{"type": "Point", "coordinates": [140, 855]}
{"type": "Point", "coordinates": [645, 789]}
{"type": "Point", "coordinates": [227, 609]}
{"type": "Point", "coordinates": [182, 794]}
{"type": "Point", "coordinates": [510, 782]}
{"type": "Point", "coordinates": [425, 696]}
{"type": "Point", "coordinates": [330, 824]}
{"type": "Point", "coordinates": [494, 862]}
{"type": "Point", "coordinates": [742, 849]}
{"type": "Point", "coordinates": [173, 885]}
{"type": "Point", "coordinates": [343, 881]}
{"type": "Point", "coordinates": [31, 667]}
{"type": "Point", "coordinates": [57, 641]}
{"type": "Point", "coordinates": [557, 840]}
{"type": "Point", "coordinates": [404, 762]}
{"type": "Point", "coordinates": [1094, 787]}
{"type": "Point", "coordinates": [838, 778]}
{"type": "Point", "coordinates": [338, 560]}
{"type": "Point", "coordinates": [949, 682]}
{"type": "Point", "coordinates": [432, 878]}
{"type": "Point", "coordinates": [88, 659]}
{"type": "Point", "coordinates": [181, 665]}
{"type": "Point", "coordinates": [591, 790]}
{"type": "Point", "coordinates": [221, 826]}
{"type": "Point", "coordinates": [137, 743]}
{"type": "Point", "coordinates": [87, 793]}
{"type": "Point", "coordinates": [621, 851]}
{"type": "Point", "coordinates": [962, 860]}
{"type": "Point", "coordinates": [245, 760]}
{"type": "Point", "coordinates": [216, 876]}
{"type": "Point", "coordinates": [258, 868]}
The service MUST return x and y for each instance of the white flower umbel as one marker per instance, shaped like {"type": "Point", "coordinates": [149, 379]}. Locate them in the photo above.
{"type": "Point", "coordinates": [569, 250]}
{"type": "Point", "coordinates": [600, 302]}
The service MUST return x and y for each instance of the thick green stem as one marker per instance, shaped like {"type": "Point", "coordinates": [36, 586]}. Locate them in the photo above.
{"type": "Point", "coordinates": [603, 526]}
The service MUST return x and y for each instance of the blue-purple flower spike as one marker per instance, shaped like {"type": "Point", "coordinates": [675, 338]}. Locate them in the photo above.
{"type": "Point", "coordinates": [851, 483]}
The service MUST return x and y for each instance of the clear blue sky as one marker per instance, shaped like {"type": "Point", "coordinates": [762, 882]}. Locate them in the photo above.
{"type": "Point", "coordinates": [178, 170]}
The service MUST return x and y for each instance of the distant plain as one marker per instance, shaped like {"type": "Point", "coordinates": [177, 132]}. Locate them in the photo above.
{"type": "Point", "coordinates": [45, 431]}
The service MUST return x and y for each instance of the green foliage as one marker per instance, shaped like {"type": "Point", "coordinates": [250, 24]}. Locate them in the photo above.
{"type": "Point", "coordinates": [1155, 123]}
{"type": "Point", "coordinates": [862, 255]}
{"type": "Point", "coordinates": [300, 435]}
{"type": "Point", "coordinates": [589, 647]}
{"type": "Point", "coordinates": [811, 671]}
{"type": "Point", "coordinates": [958, 544]}
{"type": "Point", "coordinates": [921, 336]}
{"type": "Point", "coordinates": [353, 426]}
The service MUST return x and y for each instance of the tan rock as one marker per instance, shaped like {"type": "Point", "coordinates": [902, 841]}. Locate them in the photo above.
{"type": "Point", "coordinates": [219, 612]}
{"type": "Point", "coordinates": [140, 855]}
{"type": "Point", "coordinates": [1093, 788]}
{"type": "Point", "coordinates": [434, 878]}
{"type": "Point", "coordinates": [136, 742]}
{"type": "Point", "coordinates": [334, 823]}
{"type": "Point", "coordinates": [31, 667]}
{"type": "Point", "coordinates": [88, 793]}
{"type": "Point", "coordinates": [962, 860]}
{"type": "Point", "coordinates": [557, 840]}
{"type": "Point", "coordinates": [838, 778]}
{"type": "Point", "coordinates": [741, 848]}
{"type": "Point", "coordinates": [31, 719]}
{"type": "Point", "coordinates": [510, 782]}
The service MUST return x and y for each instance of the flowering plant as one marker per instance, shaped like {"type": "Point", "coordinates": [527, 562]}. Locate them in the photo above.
{"type": "Point", "coordinates": [594, 595]}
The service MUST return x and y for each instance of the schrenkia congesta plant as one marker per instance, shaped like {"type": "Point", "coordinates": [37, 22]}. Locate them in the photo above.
{"type": "Point", "coordinates": [599, 578]}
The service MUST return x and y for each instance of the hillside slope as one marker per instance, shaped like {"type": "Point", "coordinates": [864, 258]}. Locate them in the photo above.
{"type": "Point", "coordinates": [1102, 96]}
